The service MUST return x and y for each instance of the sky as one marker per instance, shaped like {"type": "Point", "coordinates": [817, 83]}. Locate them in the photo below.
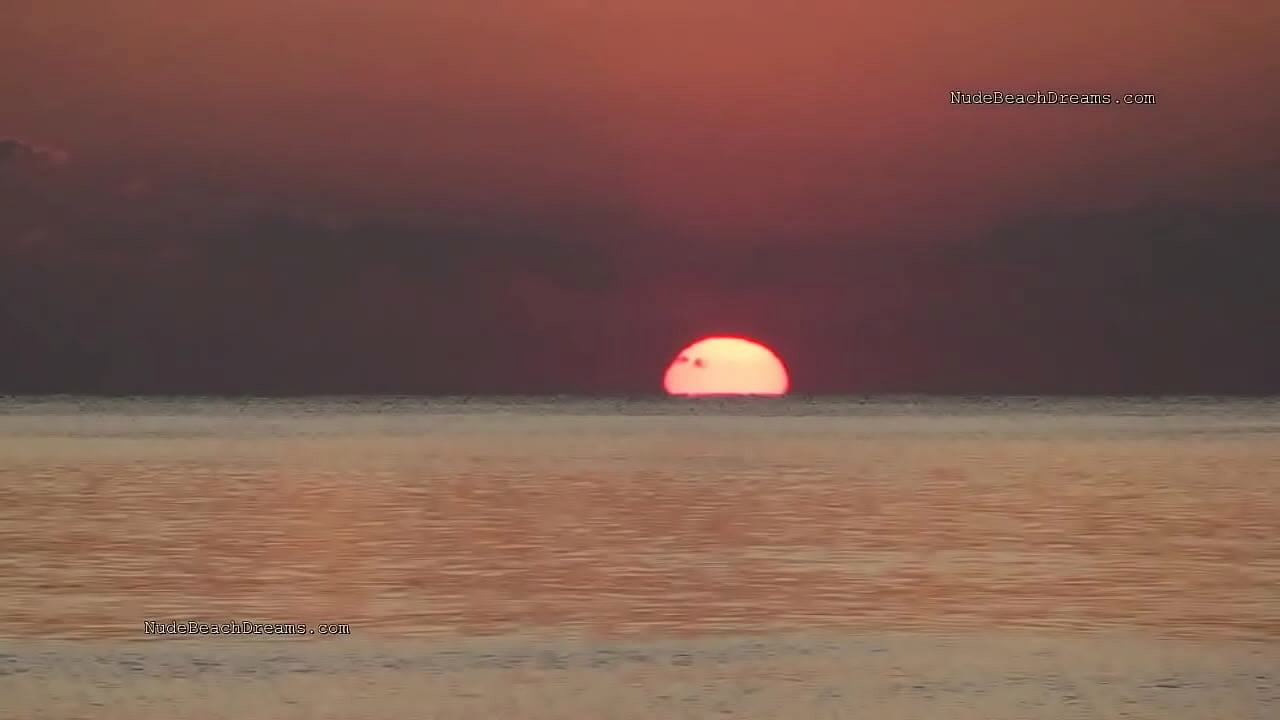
{"type": "Point", "coordinates": [555, 196]}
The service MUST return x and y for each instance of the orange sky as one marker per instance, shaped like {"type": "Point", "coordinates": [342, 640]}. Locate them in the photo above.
{"type": "Point", "coordinates": [741, 119]}
{"type": "Point", "coordinates": [565, 191]}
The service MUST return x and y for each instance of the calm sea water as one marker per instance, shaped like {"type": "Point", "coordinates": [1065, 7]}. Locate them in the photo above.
{"type": "Point", "coordinates": [416, 517]}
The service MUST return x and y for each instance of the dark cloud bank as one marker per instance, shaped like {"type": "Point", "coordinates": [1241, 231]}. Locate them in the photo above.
{"type": "Point", "coordinates": [15, 152]}
{"type": "Point", "coordinates": [113, 298]}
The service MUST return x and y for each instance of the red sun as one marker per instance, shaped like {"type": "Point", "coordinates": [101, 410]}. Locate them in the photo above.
{"type": "Point", "coordinates": [726, 366]}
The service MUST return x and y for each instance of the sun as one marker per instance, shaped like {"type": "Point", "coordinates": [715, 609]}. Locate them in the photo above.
{"type": "Point", "coordinates": [726, 366]}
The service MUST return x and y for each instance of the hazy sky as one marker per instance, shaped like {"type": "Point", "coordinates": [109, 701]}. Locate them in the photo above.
{"type": "Point", "coordinates": [634, 174]}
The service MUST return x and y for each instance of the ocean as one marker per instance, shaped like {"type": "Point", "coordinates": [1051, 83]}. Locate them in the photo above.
{"type": "Point", "coordinates": [640, 557]}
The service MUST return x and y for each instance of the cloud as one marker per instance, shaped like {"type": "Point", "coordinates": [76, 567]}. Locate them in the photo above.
{"type": "Point", "coordinates": [181, 290]}
{"type": "Point", "coordinates": [14, 151]}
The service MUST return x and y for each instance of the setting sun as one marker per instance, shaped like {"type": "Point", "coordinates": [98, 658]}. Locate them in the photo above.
{"type": "Point", "coordinates": [726, 366]}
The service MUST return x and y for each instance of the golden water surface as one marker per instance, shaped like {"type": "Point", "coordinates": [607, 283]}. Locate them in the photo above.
{"type": "Point", "coordinates": [486, 522]}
